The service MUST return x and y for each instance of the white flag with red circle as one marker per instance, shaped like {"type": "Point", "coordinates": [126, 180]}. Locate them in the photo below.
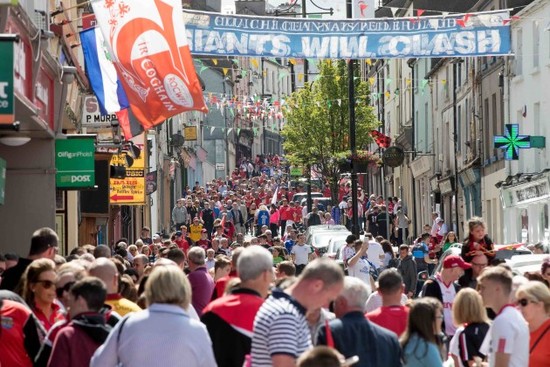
{"type": "Point", "coordinates": [149, 49]}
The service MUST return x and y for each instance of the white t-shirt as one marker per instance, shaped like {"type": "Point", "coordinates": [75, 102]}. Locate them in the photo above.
{"type": "Point", "coordinates": [374, 252]}
{"type": "Point", "coordinates": [361, 270]}
{"type": "Point", "coordinates": [301, 253]}
{"type": "Point", "coordinates": [347, 253]}
{"type": "Point", "coordinates": [508, 334]}
{"type": "Point", "coordinates": [448, 293]}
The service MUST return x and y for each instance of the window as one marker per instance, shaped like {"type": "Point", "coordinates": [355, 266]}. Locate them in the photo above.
{"type": "Point", "coordinates": [488, 129]}
{"type": "Point", "coordinates": [519, 52]}
{"type": "Point", "coordinates": [459, 126]}
{"type": "Point", "coordinates": [494, 120]}
{"type": "Point", "coordinates": [427, 148]}
{"type": "Point", "coordinates": [447, 81]}
{"type": "Point", "coordinates": [536, 43]}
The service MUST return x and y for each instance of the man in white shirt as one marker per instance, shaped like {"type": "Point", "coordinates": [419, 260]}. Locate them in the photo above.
{"type": "Point", "coordinates": [507, 343]}
{"type": "Point", "coordinates": [375, 252]}
{"type": "Point", "coordinates": [359, 266]}
{"type": "Point", "coordinates": [301, 253]}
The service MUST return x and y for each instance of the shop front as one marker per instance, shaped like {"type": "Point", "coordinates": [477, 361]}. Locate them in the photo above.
{"type": "Point", "coordinates": [525, 199]}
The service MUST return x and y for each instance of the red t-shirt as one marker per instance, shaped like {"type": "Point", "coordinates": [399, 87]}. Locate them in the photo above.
{"type": "Point", "coordinates": [182, 245]}
{"type": "Point", "coordinates": [393, 318]}
{"type": "Point", "coordinates": [12, 345]}
{"type": "Point", "coordinates": [55, 316]}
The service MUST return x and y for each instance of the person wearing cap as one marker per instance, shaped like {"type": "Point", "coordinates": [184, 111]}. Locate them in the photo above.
{"type": "Point", "coordinates": [444, 287]}
{"type": "Point", "coordinates": [179, 214]}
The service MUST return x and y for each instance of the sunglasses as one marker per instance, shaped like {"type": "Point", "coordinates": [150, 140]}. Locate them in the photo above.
{"type": "Point", "coordinates": [59, 291]}
{"type": "Point", "coordinates": [46, 284]}
{"type": "Point", "coordinates": [523, 302]}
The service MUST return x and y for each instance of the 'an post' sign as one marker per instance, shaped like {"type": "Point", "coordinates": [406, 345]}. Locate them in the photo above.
{"type": "Point", "coordinates": [75, 163]}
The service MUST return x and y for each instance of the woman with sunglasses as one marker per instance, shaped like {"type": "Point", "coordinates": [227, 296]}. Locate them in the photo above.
{"type": "Point", "coordinates": [39, 292]}
{"type": "Point", "coordinates": [533, 300]}
{"type": "Point", "coordinates": [422, 341]}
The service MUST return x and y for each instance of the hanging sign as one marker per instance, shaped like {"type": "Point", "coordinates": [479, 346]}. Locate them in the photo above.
{"type": "Point", "coordinates": [475, 34]}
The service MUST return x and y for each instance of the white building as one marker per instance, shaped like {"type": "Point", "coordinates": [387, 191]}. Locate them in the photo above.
{"type": "Point", "coordinates": [525, 192]}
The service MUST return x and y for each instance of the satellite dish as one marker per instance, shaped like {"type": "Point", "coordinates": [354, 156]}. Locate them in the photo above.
{"type": "Point", "coordinates": [177, 140]}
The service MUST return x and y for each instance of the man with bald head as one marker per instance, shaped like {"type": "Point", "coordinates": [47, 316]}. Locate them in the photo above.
{"type": "Point", "coordinates": [106, 270]}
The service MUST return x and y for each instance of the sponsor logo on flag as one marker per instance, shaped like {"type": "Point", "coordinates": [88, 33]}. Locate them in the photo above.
{"type": "Point", "coordinates": [152, 57]}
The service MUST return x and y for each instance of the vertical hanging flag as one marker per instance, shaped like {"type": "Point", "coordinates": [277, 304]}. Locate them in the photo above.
{"type": "Point", "coordinates": [102, 73]}
{"type": "Point", "coordinates": [150, 52]}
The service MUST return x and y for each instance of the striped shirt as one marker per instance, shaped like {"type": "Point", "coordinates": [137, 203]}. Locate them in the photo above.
{"type": "Point", "coordinates": [280, 327]}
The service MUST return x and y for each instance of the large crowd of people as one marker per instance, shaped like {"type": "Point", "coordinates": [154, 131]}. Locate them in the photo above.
{"type": "Point", "coordinates": [235, 284]}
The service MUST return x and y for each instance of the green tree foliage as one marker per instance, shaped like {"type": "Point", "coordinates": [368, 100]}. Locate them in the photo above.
{"type": "Point", "coordinates": [317, 127]}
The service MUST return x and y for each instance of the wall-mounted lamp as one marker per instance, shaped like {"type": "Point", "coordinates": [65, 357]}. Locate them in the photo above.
{"type": "Point", "coordinates": [14, 141]}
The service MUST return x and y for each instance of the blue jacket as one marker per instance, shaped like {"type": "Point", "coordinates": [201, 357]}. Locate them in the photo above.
{"type": "Point", "coordinates": [354, 335]}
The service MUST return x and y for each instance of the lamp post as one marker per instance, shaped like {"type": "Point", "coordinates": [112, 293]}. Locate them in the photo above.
{"type": "Point", "coordinates": [352, 143]}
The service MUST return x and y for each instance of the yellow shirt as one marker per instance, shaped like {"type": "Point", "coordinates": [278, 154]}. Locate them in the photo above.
{"type": "Point", "coordinates": [120, 305]}
{"type": "Point", "coordinates": [195, 232]}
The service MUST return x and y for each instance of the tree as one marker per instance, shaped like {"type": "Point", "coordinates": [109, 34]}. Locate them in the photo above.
{"type": "Point", "coordinates": [317, 129]}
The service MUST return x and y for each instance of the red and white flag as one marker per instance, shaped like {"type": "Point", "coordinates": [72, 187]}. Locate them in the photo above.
{"type": "Point", "coordinates": [152, 57]}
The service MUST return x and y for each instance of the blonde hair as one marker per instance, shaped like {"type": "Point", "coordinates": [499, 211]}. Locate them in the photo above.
{"type": "Point", "coordinates": [536, 291]}
{"type": "Point", "coordinates": [32, 275]}
{"type": "Point", "coordinates": [168, 284]}
{"type": "Point", "coordinates": [468, 307]}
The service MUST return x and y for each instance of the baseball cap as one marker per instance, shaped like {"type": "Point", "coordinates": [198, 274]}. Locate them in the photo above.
{"type": "Point", "coordinates": [156, 236]}
{"type": "Point", "coordinates": [454, 261]}
{"type": "Point", "coordinates": [178, 233]}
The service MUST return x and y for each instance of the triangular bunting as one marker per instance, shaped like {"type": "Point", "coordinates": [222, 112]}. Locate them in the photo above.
{"type": "Point", "coordinates": [394, 11]}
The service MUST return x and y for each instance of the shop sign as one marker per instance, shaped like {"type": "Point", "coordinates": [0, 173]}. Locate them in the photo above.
{"type": "Point", "coordinates": [44, 96]}
{"type": "Point", "coordinates": [22, 63]}
{"type": "Point", "coordinates": [190, 133]}
{"type": "Point", "coordinates": [75, 163]}
{"type": "Point", "coordinates": [91, 115]}
{"type": "Point", "coordinates": [7, 110]}
{"type": "Point", "coordinates": [538, 191]}
{"type": "Point", "coordinates": [129, 190]}
{"type": "Point", "coordinates": [446, 186]}
{"type": "Point", "coordinates": [420, 166]}
{"type": "Point", "coordinates": [220, 166]}
{"type": "Point", "coordinates": [393, 156]}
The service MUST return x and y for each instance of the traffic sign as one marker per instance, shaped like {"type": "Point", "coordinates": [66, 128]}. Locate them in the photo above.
{"type": "Point", "coordinates": [129, 190]}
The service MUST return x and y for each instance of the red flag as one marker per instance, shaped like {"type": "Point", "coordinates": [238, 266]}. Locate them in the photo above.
{"type": "Point", "coordinates": [381, 140]}
{"type": "Point", "coordinates": [150, 52]}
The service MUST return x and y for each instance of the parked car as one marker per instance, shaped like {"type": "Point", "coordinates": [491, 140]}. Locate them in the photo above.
{"type": "Point", "coordinates": [521, 264]}
{"type": "Point", "coordinates": [320, 240]}
{"type": "Point", "coordinates": [324, 227]}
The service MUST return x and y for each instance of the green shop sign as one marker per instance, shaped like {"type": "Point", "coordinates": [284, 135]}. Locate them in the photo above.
{"type": "Point", "coordinates": [74, 161]}
{"type": "Point", "coordinates": [7, 115]}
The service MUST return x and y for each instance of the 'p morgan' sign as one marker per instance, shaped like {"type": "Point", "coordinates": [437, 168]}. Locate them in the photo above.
{"type": "Point", "coordinates": [74, 161]}
{"type": "Point", "coordinates": [91, 115]}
